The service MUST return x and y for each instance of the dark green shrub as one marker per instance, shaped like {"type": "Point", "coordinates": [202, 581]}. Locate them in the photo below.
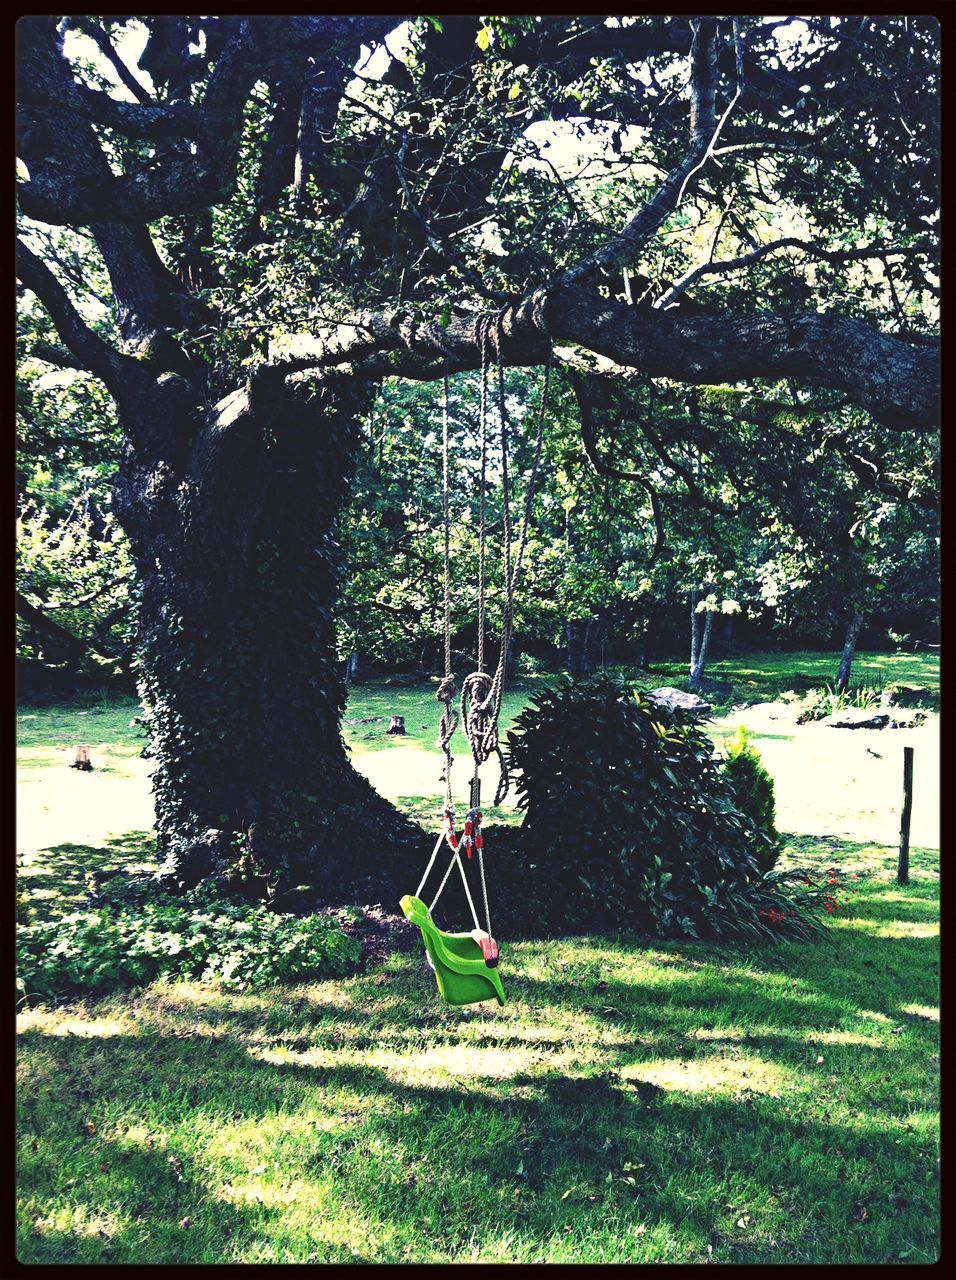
{"type": "Point", "coordinates": [629, 822]}
{"type": "Point", "coordinates": [196, 936]}
{"type": "Point", "coordinates": [753, 793]}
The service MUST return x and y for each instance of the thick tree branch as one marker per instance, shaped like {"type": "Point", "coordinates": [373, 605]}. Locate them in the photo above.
{"type": "Point", "coordinates": [49, 353]}
{"type": "Point", "coordinates": [623, 248]}
{"type": "Point", "coordinates": [895, 382]}
{"type": "Point", "coordinates": [175, 119]}
{"type": "Point", "coordinates": [81, 601]}
{"type": "Point", "coordinates": [35, 617]}
{"type": "Point", "coordinates": [182, 181]}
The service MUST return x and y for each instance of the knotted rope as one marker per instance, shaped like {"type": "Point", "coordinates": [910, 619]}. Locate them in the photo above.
{"type": "Point", "coordinates": [481, 692]}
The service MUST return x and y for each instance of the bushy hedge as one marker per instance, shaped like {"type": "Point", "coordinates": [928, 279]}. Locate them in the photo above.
{"type": "Point", "coordinates": [197, 937]}
{"type": "Point", "coordinates": [631, 823]}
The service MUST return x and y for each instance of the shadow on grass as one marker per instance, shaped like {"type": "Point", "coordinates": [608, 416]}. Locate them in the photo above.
{"type": "Point", "coordinates": [395, 1157]}
{"type": "Point", "coordinates": [58, 880]}
{"type": "Point", "coordinates": [823, 851]}
{"type": "Point", "coordinates": [725, 1068]}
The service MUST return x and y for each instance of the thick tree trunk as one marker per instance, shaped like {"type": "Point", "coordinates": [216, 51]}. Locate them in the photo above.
{"type": "Point", "coordinates": [236, 552]}
{"type": "Point", "coordinates": [849, 648]}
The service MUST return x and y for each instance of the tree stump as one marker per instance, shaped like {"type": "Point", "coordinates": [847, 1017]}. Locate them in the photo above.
{"type": "Point", "coordinates": [81, 759]}
{"type": "Point", "coordinates": [397, 727]}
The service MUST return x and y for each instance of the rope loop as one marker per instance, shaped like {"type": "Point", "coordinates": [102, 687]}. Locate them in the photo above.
{"type": "Point", "coordinates": [446, 693]}
{"type": "Point", "coordinates": [478, 719]}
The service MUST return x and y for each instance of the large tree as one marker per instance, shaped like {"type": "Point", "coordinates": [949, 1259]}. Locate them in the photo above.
{"type": "Point", "coordinates": [289, 210]}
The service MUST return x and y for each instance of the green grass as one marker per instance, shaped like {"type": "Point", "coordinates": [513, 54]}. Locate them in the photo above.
{"type": "Point", "coordinates": [371, 706]}
{"type": "Point", "coordinates": [53, 882]}
{"type": "Point", "coordinates": [632, 1101]}
{"type": "Point", "coordinates": [764, 677]}
{"type": "Point", "coordinates": [47, 734]}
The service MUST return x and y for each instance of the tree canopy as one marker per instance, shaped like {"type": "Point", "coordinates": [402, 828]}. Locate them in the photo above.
{"type": "Point", "coordinates": [710, 201]}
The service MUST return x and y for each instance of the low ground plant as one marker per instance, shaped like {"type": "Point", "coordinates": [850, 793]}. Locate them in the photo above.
{"type": "Point", "coordinates": [820, 703]}
{"type": "Point", "coordinates": [197, 937]}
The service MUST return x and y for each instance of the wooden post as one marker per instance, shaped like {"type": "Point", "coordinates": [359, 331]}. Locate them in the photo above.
{"type": "Point", "coordinates": [903, 867]}
{"type": "Point", "coordinates": [81, 759]}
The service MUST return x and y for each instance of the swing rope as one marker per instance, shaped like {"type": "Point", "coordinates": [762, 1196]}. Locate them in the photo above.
{"type": "Point", "coordinates": [446, 688]}
{"type": "Point", "coordinates": [481, 693]}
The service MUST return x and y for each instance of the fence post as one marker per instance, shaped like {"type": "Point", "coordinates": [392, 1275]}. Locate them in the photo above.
{"type": "Point", "coordinates": [903, 866]}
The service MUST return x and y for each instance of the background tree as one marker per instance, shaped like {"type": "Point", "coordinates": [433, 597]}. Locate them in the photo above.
{"type": "Point", "coordinates": [285, 219]}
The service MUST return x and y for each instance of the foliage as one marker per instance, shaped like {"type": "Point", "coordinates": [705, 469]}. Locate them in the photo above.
{"type": "Point", "coordinates": [631, 819]}
{"type": "Point", "coordinates": [73, 559]}
{"type": "Point", "coordinates": [197, 937]}
{"type": "Point", "coordinates": [753, 792]}
{"type": "Point", "coordinates": [79, 568]}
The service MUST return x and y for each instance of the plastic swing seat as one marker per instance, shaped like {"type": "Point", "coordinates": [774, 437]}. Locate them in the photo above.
{"type": "Point", "coordinates": [462, 973]}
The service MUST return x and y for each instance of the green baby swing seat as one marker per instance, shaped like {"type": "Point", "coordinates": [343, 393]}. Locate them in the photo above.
{"type": "Point", "coordinates": [461, 971]}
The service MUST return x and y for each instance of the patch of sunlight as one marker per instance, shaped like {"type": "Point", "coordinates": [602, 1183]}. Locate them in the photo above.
{"type": "Point", "coordinates": [51, 1022]}
{"type": "Point", "coordinates": [275, 1195]}
{"type": "Point", "coordinates": [247, 1139]}
{"type": "Point", "coordinates": [360, 1233]}
{"type": "Point", "coordinates": [251, 1138]}
{"type": "Point", "coordinates": [80, 1220]}
{"type": "Point", "coordinates": [872, 1015]}
{"type": "Point", "coordinates": [548, 1037]}
{"type": "Point", "coordinates": [896, 928]}
{"type": "Point", "coordinates": [139, 1137]}
{"type": "Point", "coordinates": [844, 1037]}
{"type": "Point", "coordinates": [188, 995]}
{"type": "Point", "coordinates": [926, 1011]}
{"type": "Point", "coordinates": [736, 1035]}
{"type": "Point", "coordinates": [487, 1061]}
{"type": "Point", "coordinates": [712, 1075]}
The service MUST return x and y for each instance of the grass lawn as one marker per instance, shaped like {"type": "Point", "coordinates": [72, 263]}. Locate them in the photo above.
{"type": "Point", "coordinates": [763, 677]}
{"type": "Point", "coordinates": [633, 1100]}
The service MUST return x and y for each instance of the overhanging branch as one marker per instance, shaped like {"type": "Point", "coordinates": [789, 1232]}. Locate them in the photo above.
{"type": "Point", "coordinates": [894, 381]}
{"type": "Point", "coordinates": [589, 441]}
